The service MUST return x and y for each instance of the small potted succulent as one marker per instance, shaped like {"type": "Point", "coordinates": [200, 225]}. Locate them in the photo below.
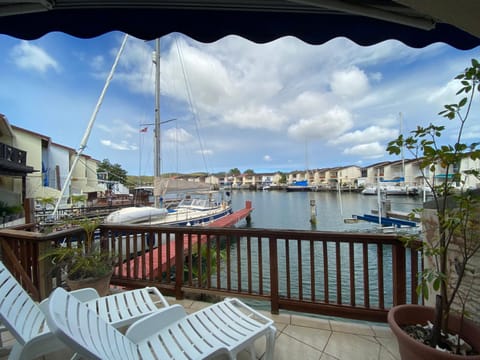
{"type": "Point", "coordinates": [84, 263]}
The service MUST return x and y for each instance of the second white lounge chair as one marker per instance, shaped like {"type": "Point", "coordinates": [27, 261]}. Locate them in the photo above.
{"type": "Point", "coordinates": [226, 328]}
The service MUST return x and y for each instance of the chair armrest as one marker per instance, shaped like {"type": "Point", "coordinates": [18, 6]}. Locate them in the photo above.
{"type": "Point", "coordinates": [155, 322]}
{"type": "Point", "coordinates": [82, 295]}
{"type": "Point", "coordinates": [157, 293]}
{"type": "Point", "coordinates": [86, 294]}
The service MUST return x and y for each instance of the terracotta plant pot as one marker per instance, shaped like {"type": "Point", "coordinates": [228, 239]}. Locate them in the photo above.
{"type": "Point", "coordinates": [411, 349]}
{"type": "Point", "coordinates": [102, 284]}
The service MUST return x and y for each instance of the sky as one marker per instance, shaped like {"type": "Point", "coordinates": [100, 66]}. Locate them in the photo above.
{"type": "Point", "coordinates": [280, 106]}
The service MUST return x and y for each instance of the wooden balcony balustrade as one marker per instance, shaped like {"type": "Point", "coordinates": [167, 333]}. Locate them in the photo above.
{"type": "Point", "coordinates": [350, 275]}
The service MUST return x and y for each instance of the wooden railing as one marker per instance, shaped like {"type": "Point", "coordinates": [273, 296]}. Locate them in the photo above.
{"type": "Point", "coordinates": [356, 276]}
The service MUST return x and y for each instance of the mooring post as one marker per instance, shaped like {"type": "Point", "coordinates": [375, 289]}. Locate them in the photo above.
{"type": "Point", "coordinates": [313, 212]}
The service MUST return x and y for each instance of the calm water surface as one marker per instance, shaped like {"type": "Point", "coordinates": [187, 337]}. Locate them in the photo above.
{"type": "Point", "coordinates": [291, 210]}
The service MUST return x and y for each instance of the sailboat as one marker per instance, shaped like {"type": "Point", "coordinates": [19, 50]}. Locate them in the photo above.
{"type": "Point", "coordinates": [199, 205]}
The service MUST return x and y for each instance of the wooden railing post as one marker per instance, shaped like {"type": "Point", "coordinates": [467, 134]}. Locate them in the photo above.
{"type": "Point", "coordinates": [274, 295]}
{"type": "Point", "coordinates": [399, 277]}
{"type": "Point", "coordinates": [45, 285]}
{"type": "Point", "coordinates": [179, 264]}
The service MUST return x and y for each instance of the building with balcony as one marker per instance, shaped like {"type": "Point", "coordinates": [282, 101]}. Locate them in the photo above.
{"type": "Point", "coordinates": [47, 165]}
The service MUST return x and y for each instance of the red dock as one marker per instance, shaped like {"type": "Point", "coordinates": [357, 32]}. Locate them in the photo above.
{"type": "Point", "coordinates": [225, 221]}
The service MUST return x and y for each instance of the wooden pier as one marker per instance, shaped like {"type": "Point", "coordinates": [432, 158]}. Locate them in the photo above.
{"type": "Point", "coordinates": [160, 261]}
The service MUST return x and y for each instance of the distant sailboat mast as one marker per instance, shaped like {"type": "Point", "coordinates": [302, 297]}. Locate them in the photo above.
{"type": "Point", "coordinates": [157, 162]}
{"type": "Point", "coordinates": [402, 149]}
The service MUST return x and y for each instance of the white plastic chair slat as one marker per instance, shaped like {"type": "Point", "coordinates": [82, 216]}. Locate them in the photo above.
{"type": "Point", "coordinates": [153, 349]}
{"type": "Point", "coordinates": [205, 331]}
{"type": "Point", "coordinates": [236, 320]}
{"type": "Point", "coordinates": [20, 311]}
{"type": "Point", "coordinates": [248, 314]}
{"type": "Point", "coordinates": [124, 308]}
{"type": "Point", "coordinates": [85, 327]}
{"type": "Point", "coordinates": [128, 304]}
{"type": "Point", "coordinates": [30, 319]}
{"type": "Point", "coordinates": [137, 303]}
{"type": "Point", "coordinates": [89, 327]}
{"type": "Point", "coordinates": [101, 307]}
{"type": "Point", "coordinates": [227, 331]}
{"type": "Point", "coordinates": [189, 341]}
{"type": "Point", "coordinates": [71, 319]}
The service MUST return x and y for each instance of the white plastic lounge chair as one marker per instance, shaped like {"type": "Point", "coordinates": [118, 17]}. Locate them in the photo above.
{"type": "Point", "coordinates": [25, 319]}
{"type": "Point", "coordinates": [226, 328]}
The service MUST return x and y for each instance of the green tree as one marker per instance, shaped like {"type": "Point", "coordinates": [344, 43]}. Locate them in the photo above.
{"type": "Point", "coordinates": [234, 172]}
{"type": "Point", "coordinates": [249, 172]}
{"type": "Point", "coordinates": [458, 221]}
{"type": "Point", "coordinates": [283, 178]}
{"type": "Point", "coordinates": [114, 171]}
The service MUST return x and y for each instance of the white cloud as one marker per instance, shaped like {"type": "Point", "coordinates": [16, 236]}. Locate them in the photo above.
{"type": "Point", "coordinates": [123, 145]}
{"type": "Point", "coordinates": [261, 117]}
{"type": "Point", "coordinates": [369, 151]}
{"type": "Point", "coordinates": [31, 57]}
{"type": "Point", "coordinates": [323, 126]}
{"type": "Point", "coordinates": [350, 83]}
{"type": "Point", "coordinates": [118, 127]}
{"type": "Point", "coordinates": [445, 94]}
{"type": "Point", "coordinates": [205, 152]}
{"type": "Point", "coordinates": [175, 135]}
{"type": "Point", "coordinates": [135, 69]}
{"type": "Point", "coordinates": [372, 133]}
{"type": "Point", "coordinates": [97, 62]}
{"type": "Point", "coordinates": [307, 104]}
{"type": "Point", "coordinates": [267, 158]}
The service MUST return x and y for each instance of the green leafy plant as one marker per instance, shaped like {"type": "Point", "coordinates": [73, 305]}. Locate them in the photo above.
{"type": "Point", "coordinates": [44, 201]}
{"type": "Point", "coordinates": [84, 259]}
{"type": "Point", "coordinates": [205, 260]}
{"type": "Point", "coordinates": [78, 199]}
{"type": "Point", "coordinates": [455, 240]}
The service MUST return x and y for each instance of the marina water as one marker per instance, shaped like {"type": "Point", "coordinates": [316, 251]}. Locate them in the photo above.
{"type": "Point", "coordinates": [291, 210]}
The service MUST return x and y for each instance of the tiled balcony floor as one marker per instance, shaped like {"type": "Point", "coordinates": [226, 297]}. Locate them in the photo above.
{"type": "Point", "coordinates": [305, 338]}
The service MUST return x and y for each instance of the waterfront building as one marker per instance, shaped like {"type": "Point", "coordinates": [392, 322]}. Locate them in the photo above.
{"type": "Point", "coordinates": [348, 175]}
{"type": "Point", "coordinates": [51, 163]}
{"type": "Point", "coordinates": [471, 182]}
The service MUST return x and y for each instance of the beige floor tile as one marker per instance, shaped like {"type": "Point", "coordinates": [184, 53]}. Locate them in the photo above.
{"type": "Point", "coordinates": [316, 338]}
{"type": "Point", "coordinates": [311, 322]}
{"type": "Point", "coordinates": [327, 357]}
{"type": "Point", "coordinates": [386, 355]}
{"type": "Point", "coordinates": [280, 328]}
{"type": "Point", "coordinates": [288, 348]}
{"type": "Point", "coordinates": [347, 346]}
{"type": "Point", "coordinates": [390, 345]}
{"type": "Point", "coordinates": [351, 328]}
{"type": "Point", "coordinates": [281, 318]}
{"type": "Point", "coordinates": [382, 331]}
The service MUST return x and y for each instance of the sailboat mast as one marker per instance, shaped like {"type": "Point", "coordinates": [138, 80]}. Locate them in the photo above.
{"type": "Point", "coordinates": [157, 163]}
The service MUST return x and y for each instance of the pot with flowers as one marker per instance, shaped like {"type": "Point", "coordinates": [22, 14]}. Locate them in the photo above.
{"type": "Point", "coordinates": [84, 263]}
{"type": "Point", "coordinates": [450, 240]}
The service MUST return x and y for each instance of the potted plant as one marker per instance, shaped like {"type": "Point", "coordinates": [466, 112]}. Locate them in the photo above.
{"type": "Point", "coordinates": [84, 263]}
{"type": "Point", "coordinates": [451, 238]}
